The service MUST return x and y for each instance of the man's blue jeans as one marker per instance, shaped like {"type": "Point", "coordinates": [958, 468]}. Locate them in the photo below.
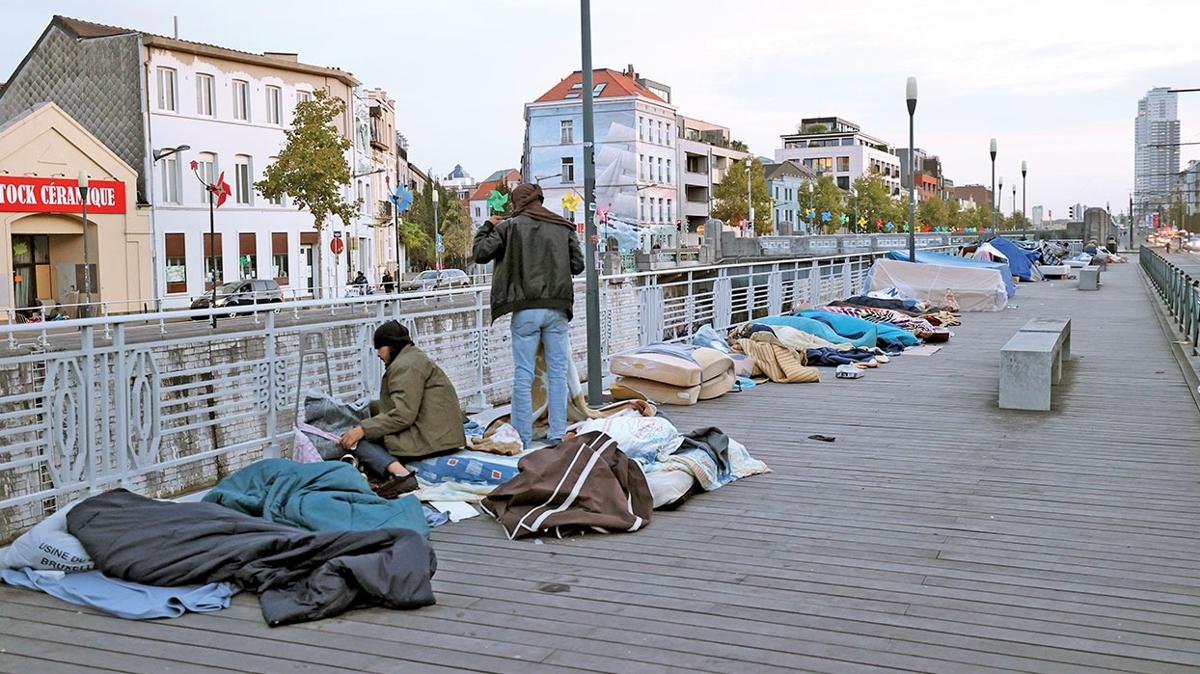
{"type": "Point", "coordinates": [550, 328]}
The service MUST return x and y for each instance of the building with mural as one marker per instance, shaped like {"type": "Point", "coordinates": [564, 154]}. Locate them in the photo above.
{"type": "Point", "coordinates": [635, 150]}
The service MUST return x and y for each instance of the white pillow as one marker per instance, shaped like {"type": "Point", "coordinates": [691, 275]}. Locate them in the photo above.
{"type": "Point", "coordinates": [644, 439]}
{"type": "Point", "coordinates": [47, 547]}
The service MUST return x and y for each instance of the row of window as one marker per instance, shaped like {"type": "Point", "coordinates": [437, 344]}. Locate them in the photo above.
{"type": "Point", "coordinates": [206, 97]}
{"type": "Point", "coordinates": [175, 259]}
{"type": "Point", "coordinates": [647, 128]}
{"type": "Point", "coordinates": [242, 184]}
{"type": "Point", "coordinates": [646, 169]}
{"type": "Point", "coordinates": [663, 213]}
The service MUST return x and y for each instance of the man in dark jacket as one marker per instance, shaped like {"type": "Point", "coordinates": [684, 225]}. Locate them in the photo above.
{"type": "Point", "coordinates": [417, 413]}
{"type": "Point", "coordinates": [536, 253]}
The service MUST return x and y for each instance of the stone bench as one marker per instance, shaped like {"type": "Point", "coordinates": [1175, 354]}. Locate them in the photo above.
{"type": "Point", "coordinates": [1029, 365]}
{"type": "Point", "coordinates": [1056, 326]}
{"type": "Point", "coordinates": [1089, 278]}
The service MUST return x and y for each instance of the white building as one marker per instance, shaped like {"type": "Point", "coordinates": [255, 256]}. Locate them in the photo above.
{"type": "Point", "coordinates": [1156, 150]}
{"type": "Point", "coordinates": [635, 147]}
{"type": "Point", "coordinates": [1189, 187]}
{"type": "Point", "coordinates": [142, 93]}
{"type": "Point", "coordinates": [705, 154]}
{"type": "Point", "coordinates": [1037, 217]}
{"type": "Point", "coordinates": [461, 182]}
{"type": "Point", "coordinates": [832, 146]}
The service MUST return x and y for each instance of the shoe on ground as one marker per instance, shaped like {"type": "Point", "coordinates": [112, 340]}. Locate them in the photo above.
{"type": "Point", "coordinates": [396, 485]}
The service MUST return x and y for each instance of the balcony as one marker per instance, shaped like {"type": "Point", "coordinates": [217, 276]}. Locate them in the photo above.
{"type": "Point", "coordinates": [695, 209]}
{"type": "Point", "coordinates": [695, 178]}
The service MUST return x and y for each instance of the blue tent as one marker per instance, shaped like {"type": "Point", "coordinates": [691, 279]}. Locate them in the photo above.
{"type": "Point", "coordinates": [929, 257]}
{"type": "Point", "coordinates": [1020, 261]}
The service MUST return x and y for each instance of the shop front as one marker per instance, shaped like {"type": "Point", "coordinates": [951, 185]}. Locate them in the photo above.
{"type": "Point", "coordinates": [42, 222]}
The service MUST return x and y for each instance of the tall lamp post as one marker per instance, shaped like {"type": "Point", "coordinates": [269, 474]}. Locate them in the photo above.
{"type": "Point", "coordinates": [1014, 207]}
{"type": "Point", "coordinates": [160, 154]}
{"type": "Point", "coordinates": [993, 153]}
{"type": "Point", "coordinates": [1024, 170]}
{"type": "Point", "coordinates": [87, 262]}
{"type": "Point", "coordinates": [911, 97]}
{"type": "Point", "coordinates": [999, 205]}
{"type": "Point", "coordinates": [595, 373]}
{"type": "Point", "coordinates": [749, 201]}
{"type": "Point", "coordinates": [437, 232]}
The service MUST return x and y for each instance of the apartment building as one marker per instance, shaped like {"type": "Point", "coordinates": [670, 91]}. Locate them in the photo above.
{"type": "Point", "coordinates": [635, 147]}
{"type": "Point", "coordinates": [835, 147]}
{"type": "Point", "coordinates": [142, 94]}
{"type": "Point", "coordinates": [706, 153]}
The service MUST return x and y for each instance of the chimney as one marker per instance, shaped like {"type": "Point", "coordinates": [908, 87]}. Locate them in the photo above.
{"type": "Point", "coordinates": [630, 72]}
{"type": "Point", "coordinates": [283, 55]}
{"type": "Point", "coordinates": [176, 18]}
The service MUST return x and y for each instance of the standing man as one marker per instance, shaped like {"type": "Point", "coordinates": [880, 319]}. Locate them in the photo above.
{"type": "Point", "coordinates": [536, 253]}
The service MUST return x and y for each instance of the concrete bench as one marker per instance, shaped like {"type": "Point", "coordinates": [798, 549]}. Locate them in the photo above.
{"type": "Point", "coordinates": [1089, 278]}
{"type": "Point", "coordinates": [1028, 363]}
{"type": "Point", "coordinates": [1057, 326]}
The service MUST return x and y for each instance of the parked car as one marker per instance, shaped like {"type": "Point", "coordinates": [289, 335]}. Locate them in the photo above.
{"type": "Point", "coordinates": [432, 279]}
{"type": "Point", "coordinates": [241, 293]}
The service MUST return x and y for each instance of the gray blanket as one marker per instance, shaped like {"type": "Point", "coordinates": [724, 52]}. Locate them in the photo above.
{"type": "Point", "coordinates": [299, 575]}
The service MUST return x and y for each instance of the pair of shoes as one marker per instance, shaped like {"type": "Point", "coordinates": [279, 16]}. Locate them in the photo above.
{"type": "Point", "coordinates": [396, 485]}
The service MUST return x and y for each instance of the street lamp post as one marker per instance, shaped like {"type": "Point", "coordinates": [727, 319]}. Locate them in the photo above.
{"type": "Point", "coordinates": [437, 232]}
{"type": "Point", "coordinates": [749, 202]}
{"type": "Point", "coordinates": [87, 262]}
{"type": "Point", "coordinates": [1014, 206]}
{"type": "Point", "coordinates": [1024, 169]}
{"type": "Point", "coordinates": [812, 207]}
{"type": "Point", "coordinates": [911, 97]}
{"type": "Point", "coordinates": [155, 156]}
{"type": "Point", "coordinates": [993, 153]}
{"type": "Point", "coordinates": [595, 372]}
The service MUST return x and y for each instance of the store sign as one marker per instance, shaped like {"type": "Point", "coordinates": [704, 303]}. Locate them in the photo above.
{"type": "Point", "coordinates": [27, 194]}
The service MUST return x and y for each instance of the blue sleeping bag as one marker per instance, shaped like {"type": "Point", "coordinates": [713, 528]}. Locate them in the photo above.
{"type": "Point", "coordinates": [850, 327]}
{"type": "Point", "coordinates": [822, 330]}
{"type": "Point", "coordinates": [326, 496]}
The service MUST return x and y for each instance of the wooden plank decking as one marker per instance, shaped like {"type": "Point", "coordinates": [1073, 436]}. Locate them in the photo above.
{"type": "Point", "coordinates": [937, 534]}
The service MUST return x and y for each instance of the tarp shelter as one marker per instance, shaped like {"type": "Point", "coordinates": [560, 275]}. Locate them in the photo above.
{"type": "Point", "coordinates": [975, 288]}
{"type": "Point", "coordinates": [927, 257]}
{"type": "Point", "coordinates": [1020, 261]}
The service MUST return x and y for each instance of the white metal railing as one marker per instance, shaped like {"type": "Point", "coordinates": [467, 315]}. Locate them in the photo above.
{"type": "Point", "coordinates": [161, 404]}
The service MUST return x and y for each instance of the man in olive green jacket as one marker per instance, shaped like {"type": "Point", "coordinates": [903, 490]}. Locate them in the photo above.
{"type": "Point", "coordinates": [417, 413]}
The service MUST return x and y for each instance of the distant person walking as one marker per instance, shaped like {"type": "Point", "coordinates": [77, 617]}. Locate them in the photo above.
{"type": "Point", "coordinates": [389, 284]}
{"type": "Point", "coordinates": [536, 252]}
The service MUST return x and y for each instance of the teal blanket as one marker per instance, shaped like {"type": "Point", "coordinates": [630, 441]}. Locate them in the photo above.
{"type": "Point", "coordinates": [888, 334]}
{"type": "Point", "coordinates": [326, 496]}
{"type": "Point", "coordinates": [815, 327]}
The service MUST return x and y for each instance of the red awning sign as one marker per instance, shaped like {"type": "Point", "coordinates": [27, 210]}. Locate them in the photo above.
{"type": "Point", "coordinates": [28, 194]}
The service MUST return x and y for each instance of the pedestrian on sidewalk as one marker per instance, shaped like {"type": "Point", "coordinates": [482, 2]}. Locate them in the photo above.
{"type": "Point", "coordinates": [537, 253]}
{"type": "Point", "coordinates": [388, 283]}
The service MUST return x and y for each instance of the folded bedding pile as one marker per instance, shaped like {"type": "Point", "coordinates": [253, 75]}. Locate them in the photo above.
{"type": "Point", "coordinates": [673, 374]}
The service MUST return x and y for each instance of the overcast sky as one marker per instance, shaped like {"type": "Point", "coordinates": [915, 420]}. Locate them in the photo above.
{"type": "Point", "coordinates": [1055, 81]}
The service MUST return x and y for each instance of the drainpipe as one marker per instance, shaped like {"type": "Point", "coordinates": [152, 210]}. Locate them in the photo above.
{"type": "Point", "coordinates": [148, 176]}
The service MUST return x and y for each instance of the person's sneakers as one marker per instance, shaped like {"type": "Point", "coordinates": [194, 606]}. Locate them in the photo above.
{"type": "Point", "coordinates": [396, 485]}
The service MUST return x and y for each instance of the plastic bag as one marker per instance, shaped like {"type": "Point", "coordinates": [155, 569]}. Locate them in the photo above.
{"type": "Point", "coordinates": [708, 337]}
{"type": "Point", "coordinates": [47, 547]}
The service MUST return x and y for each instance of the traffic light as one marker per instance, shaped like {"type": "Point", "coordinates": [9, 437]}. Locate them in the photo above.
{"type": "Point", "coordinates": [1071, 212]}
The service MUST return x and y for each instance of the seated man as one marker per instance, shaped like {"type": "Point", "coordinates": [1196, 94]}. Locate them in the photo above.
{"type": "Point", "coordinates": [417, 414]}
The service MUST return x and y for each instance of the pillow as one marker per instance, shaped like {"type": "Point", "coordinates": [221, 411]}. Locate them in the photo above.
{"type": "Point", "coordinates": [47, 547]}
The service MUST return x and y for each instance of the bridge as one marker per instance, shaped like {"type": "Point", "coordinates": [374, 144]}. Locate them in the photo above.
{"type": "Point", "coordinates": [936, 533]}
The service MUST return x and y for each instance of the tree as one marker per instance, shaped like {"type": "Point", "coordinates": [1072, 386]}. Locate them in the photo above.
{"type": "Point", "coordinates": [739, 146]}
{"type": "Point", "coordinates": [815, 128]}
{"type": "Point", "coordinates": [456, 231]}
{"type": "Point", "coordinates": [933, 213]}
{"type": "Point", "coordinates": [312, 167]}
{"type": "Point", "coordinates": [827, 198]}
{"type": "Point", "coordinates": [873, 202]}
{"type": "Point", "coordinates": [731, 196]}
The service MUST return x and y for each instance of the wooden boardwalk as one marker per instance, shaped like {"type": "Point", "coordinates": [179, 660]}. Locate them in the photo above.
{"type": "Point", "coordinates": [937, 534]}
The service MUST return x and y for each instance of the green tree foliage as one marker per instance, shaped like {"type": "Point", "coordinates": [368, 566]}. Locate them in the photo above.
{"type": "Point", "coordinates": [453, 221]}
{"type": "Point", "coordinates": [456, 231]}
{"type": "Point", "coordinates": [731, 196]}
{"type": "Point", "coordinates": [828, 198]}
{"type": "Point", "coordinates": [739, 146]}
{"type": "Point", "coordinates": [933, 213]}
{"type": "Point", "coordinates": [815, 128]}
{"type": "Point", "coordinates": [872, 203]}
{"type": "Point", "coordinates": [311, 169]}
